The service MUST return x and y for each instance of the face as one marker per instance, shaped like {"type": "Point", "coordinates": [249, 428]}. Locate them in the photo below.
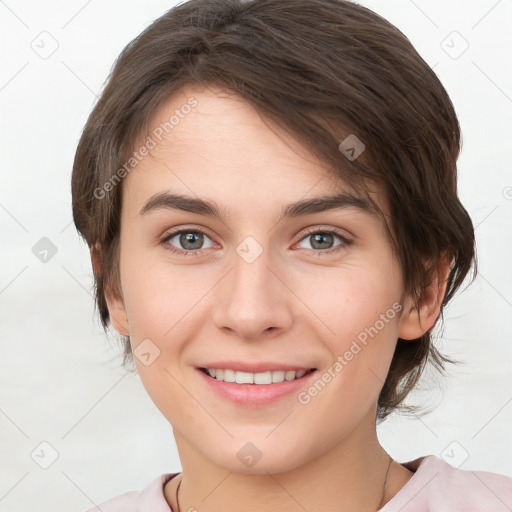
{"type": "Point", "coordinates": [253, 290]}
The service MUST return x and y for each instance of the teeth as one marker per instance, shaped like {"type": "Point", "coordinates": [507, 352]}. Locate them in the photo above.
{"type": "Point", "coordinates": [229, 376]}
{"type": "Point", "coordinates": [278, 376]}
{"type": "Point", "coordinates": [244, 378]}
{"type": "Point", "coordinates": [269, 377]}
{"type": "Point", "coordinates": [290, 375]}
{"type": "Point", "coordinates": [263, 378]}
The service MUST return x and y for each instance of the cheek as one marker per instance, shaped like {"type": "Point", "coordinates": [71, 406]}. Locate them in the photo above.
{"type": "Point", "coordinates": [356, 299]}
{"type": "Point", "coordinates": [159, 304]}
{"type": "Point", "coordinates": [362, 311]}
{"type": "Point", "coordinates": [159, 299]}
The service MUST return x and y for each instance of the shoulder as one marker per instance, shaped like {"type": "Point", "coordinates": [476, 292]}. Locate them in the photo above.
{"type": "Point", "coordinates": [150, 499]}
{"type": "Point", "coordinates": [437, 486]}
{"type": "Point", "coordinates": [126, 502]}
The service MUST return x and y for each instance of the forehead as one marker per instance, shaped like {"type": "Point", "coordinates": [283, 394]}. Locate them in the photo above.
{"type": "Point", "coordinates": [223, 126]}
{"type": "Point", "coordinates": [208, 142]}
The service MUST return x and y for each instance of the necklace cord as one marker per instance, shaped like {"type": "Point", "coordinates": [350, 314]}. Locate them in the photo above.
{"type": "Point", "coordinates": [384, 486]}
{"type": "Point", "coordinates": [177, 489]}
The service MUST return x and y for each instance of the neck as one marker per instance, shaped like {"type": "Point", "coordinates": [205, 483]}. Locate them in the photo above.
{"type": "Point", "coordinates": [349, 476]}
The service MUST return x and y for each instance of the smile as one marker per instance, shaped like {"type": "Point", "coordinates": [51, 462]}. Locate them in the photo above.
{"type": "Point", "coordinates": [261, 378]}
{"type": "Point", "coordinates": [255, 389]}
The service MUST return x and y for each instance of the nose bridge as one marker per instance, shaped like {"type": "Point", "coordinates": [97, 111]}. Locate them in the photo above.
{"type": "Point", "coordinates": [252, 298]}
{"type": "Point", "coordinates": [251, 274]}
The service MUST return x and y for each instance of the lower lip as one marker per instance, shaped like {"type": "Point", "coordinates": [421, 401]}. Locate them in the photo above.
{"type": "Point", "coordinates": [256, 394]}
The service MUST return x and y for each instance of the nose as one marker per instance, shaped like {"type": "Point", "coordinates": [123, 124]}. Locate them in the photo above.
{"type": "Point", "coordinates": [253, 300]}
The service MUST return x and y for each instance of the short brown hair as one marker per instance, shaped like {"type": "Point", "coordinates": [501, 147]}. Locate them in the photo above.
{"type": "Point", "coordinates": [322, 69]}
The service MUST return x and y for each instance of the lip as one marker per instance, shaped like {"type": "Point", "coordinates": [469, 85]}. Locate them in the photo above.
{"type": "Point", "coordinates": [255, 394]}
{"type": "Point", "coordinates": [244, 366]}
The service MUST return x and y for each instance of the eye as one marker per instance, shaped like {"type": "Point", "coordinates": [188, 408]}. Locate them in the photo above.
{"type": "Point", "coordinates": [190, 240]}
{"type": "Point", "coordinates": [321, 241]}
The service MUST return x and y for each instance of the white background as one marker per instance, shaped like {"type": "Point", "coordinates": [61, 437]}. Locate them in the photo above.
{"type": "Point", "coordinates": [61, 380]}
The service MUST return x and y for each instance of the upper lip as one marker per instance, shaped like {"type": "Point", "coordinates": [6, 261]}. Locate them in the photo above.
{"type": "Point", "coordinates": [261, 367]}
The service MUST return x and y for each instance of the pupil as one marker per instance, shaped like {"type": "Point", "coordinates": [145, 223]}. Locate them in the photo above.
{"type": "Point", "coordinates": [191, 238]}
{"type": "Point", "coordinates": [319, 238]}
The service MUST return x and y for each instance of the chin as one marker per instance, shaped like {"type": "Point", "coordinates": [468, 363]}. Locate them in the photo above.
{"type": "Point", "coordinates": [260, 456]}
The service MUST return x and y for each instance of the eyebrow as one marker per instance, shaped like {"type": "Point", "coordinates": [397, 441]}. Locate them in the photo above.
{"type": "Point", "coordinates": [164, 200]}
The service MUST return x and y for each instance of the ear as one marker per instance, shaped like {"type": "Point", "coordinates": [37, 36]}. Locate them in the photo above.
{"type": "Point", "coordinates": [115, 304]}
{"type": "Point", "coordinates": [416, 321]}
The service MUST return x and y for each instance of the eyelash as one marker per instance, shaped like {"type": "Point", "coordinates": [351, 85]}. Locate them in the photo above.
{"type": "Point", "coordinates": [345, 241]}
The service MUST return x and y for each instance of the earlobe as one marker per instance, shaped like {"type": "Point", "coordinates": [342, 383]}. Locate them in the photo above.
{"type": "Point", "coordinates": [418, 319]}
{"type": "Point", "coordinates": [115, 305]}
{"type": "Point", "coordinates": [117, 313]}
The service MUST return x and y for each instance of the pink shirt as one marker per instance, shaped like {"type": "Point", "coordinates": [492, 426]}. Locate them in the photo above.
{"type": "Point", "coordinates": [435, 486]}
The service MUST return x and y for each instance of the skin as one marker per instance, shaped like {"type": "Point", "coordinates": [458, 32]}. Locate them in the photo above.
{"type": "Point", "coordinates": [324, 455]}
